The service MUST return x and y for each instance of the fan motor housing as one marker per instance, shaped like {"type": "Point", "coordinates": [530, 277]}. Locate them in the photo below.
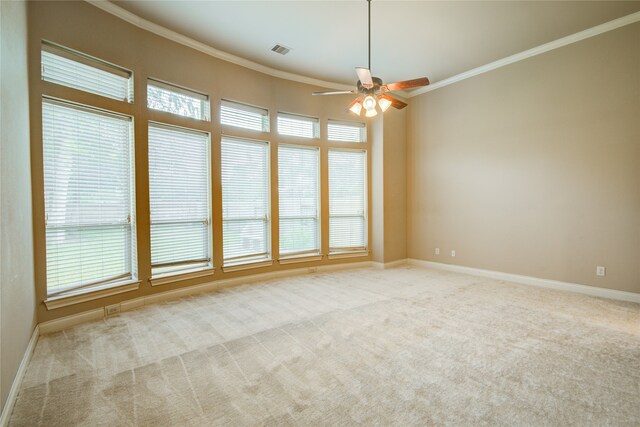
{"type": "Point", "coordinates": [377, 82]}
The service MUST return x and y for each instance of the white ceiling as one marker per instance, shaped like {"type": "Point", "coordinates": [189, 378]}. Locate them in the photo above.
{"type": "Point", "coordinates": [410, 39]}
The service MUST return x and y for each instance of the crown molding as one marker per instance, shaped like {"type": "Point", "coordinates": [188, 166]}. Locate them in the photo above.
{"type": "Point", "coordinates": [564, 41]}
{"type": "Point", "coordinates": [131, 18]}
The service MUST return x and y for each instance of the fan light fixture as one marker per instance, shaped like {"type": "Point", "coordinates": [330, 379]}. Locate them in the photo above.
{"type": "Point", "coordinates": [384, 103]}
{"type": "Point", "coordinates": [372, 93]}
{"type": "Point", "coordinates": [369, 103]}
{"type": "Point", "coordinates": [356, 108]}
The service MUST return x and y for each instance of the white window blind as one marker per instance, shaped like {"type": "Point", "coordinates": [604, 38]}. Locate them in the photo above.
{"type": "Point", "coordinates": [300, 126]}
{"type": "Point", "coordinates": [89, 196]}
{"type": "Point", "coordinates": [244, 116]}
{"type": "Point", "coordinates": [79, 71]}
{"type": "Point", "coordinates": [299, 200]}
{"type": "Point", "coordinates": [245, 200]}
{"type": "Point", "coordinates": [347, 200]}
{"type": "Point", "coordinates": [177, 100]}
{"type": "Point", "coordinates": [179, 199]}
{"type": "Point", "coordinates": [346, 131]}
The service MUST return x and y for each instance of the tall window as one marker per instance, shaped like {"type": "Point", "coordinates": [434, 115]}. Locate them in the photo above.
{"type": "Point", "coordinates": [300, 126]}
{"type": "Point", "coordinates": [299, 200]}
{"type": "Point", "coordinates": [177, 100]}
{"type": "Point", "coordinates": [346, 131]}
{"type": "Point", "coordinates": [244, 116]}
{"type": "Point", "coordinates": [76, 70]}
{"type": "Point", "coordinates": [347, 200]}
{"type": "Point", "coordinates": [89, 197]}
{"type": "Point", "coordinates": [179, 199]}
{"type": "Point", "coordinates": [245, 200]}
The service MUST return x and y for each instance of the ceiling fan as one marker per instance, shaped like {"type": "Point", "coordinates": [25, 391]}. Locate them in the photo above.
{"type": "Point", "coordinates": [372, 92]}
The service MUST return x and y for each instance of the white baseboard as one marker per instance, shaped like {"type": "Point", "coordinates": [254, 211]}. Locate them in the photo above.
{"type": "Point", "coordinates": [236, 281]}
{"type": "Point", "coordinates": [98, 313]}
{"type": "Point", "coordinates": [532, 281]}
{"type": "Point", "coordinates": [61, 323]}
{"type": "Point", "coordinates": [17, 381]}
{"type": "Point", "coordinates": [390, 264]}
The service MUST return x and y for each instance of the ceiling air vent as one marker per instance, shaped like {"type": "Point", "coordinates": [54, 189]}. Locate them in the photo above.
{"type": "Point", "coordinates": [282, 50]}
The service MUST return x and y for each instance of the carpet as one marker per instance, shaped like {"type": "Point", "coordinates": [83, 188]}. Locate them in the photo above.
{"type": "Point", "coordinates": [403, 346]}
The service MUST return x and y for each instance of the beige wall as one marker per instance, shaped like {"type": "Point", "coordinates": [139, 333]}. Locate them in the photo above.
{"type": "Point", "coordinates": [534, 168]}
{"type": "Point", "coordinates": [81, 26]}
{"type": "Point", "coordinates": [527, 169]}
{"type": "Point", "coordinates": [17, 300]}
{"type": "Point", "coordinates": [377, 182]}
{"type": "Point", "coordinates": [389, 198]}
{"type": "Point", "coordinates": [395, 185]}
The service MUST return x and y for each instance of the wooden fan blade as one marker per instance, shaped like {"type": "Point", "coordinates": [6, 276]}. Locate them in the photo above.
{"type": "Point", "coordinates": [364, 75]}
{"type": "Point", "coordinates": [395, 103]}
{"type": "Point", "coordinates": [334, 92]}
{"type": "Point", "coordinates": [407, 84]}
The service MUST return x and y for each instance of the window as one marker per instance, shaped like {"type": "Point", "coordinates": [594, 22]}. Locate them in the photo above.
{"type": "Point", "coordinates": [347, 200]}
{"type": "Point", "coordinates": [244, 116]}
{"type": "Point", "coordinates": [76, 70]}
{"type": "Point", "coordinates": [299, 198]}
{"type": "Point", "coordinates": [177, 100]}
{"type": "Point", "coordinates": [89, 196]}
{"type": "Point", "coordinates": [245, 200]}
{"type": "Point", "coordinates": [179, 199]}
{"type": "Point", "coordinates": [346, 131]}
{"type": "Point", "coordinates": [301, 126]}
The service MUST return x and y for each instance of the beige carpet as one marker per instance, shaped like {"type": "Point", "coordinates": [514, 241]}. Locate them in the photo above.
{"type": "Point", "coordinates": [405, 346]}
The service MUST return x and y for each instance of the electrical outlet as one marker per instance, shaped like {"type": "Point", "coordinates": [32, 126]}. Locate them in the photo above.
{"type": "Point", "coordinates": [453, 253]}
{"type": "Point", "coordinates": [110, 310]}
{"type": "Point", "coordinates": [437, 251]}
{"type": "Point", "coordinates": [601, 271]}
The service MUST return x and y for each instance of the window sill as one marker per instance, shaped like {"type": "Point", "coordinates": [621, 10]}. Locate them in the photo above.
{"type": "Point", "coordinates": [163, 279]}
{"type": "Point", "coordinates": [349, 254]}
{"type": "Point", "coordinates": [300, 258]}
{"type": "Point", "coordinates": [83, 295]}
{"type": "Point", "coordinates": [247, 265]}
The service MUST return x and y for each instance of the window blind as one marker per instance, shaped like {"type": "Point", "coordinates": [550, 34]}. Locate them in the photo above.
{"type": "Point", "coordinates": [177, 100]}
{"type": "Point", "coordinates": [244, 116]}
{"type": "Point", "coordinates": [300, 126]}
{"type": "Point", "coordinates": [179, 199]}
{"type": "Point", "coordinates": [78, 71]}
{"type": "Point", "coordinates": [245, 200]}
{"type": "Point", "coordinates": [89, 198]}
{"type": "Point", "coordinates": [299, 200]}
{"type": "Point", "coordinates": [347, 200]}
{"type": "Point", "coordinates": [346, 131]}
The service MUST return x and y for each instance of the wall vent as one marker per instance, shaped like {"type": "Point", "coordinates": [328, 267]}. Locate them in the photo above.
{"type": "Point", "coordinates": [282, 50]}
